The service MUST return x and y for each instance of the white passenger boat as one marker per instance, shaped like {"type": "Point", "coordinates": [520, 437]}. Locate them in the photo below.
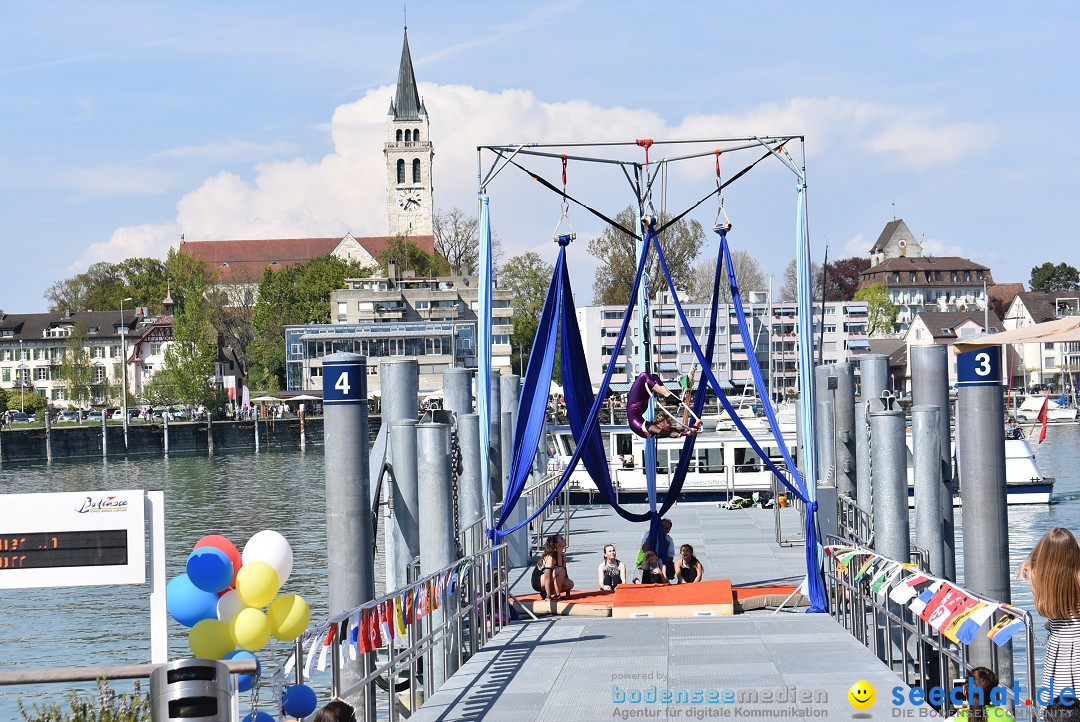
{"type": "Point", "coordinates": [725, 465]}
{"type": "Point", "coordinates": [1032, 406]}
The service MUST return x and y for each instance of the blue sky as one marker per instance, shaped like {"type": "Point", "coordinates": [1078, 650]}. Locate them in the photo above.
{"type": "Point", "coordinates": [125, 124]}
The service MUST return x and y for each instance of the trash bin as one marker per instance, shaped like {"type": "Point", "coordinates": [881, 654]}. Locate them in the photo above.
{"type": "Point", "coordinates": [194, 690]}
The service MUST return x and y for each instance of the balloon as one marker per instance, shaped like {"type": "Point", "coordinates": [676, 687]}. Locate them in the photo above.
{"type": "Point", "coordinates": [250, 629]}
{"type": "Point", "coordinates": [289, 615]}
{"type": "Point", "coordinates": [257, 583]}
{"type": "Point", "coordinates": [229, 605]}
{"type": "Point", "coordinates": [220, 542]}
{"type": "Point", "coordinates": [245, 682]}
{"type": "Point", "coordinates": [210, 569]}
{"type": "Point", "coordinates": [188, 604]}
{"type": "Point", "coordinates": [209, 639]}
{"type": "Point", "coordinates": [258, 717]}
{"type": "Point", "coordinates": [270, 547]}
{"type": "Point", "coordinates": [299, 700]}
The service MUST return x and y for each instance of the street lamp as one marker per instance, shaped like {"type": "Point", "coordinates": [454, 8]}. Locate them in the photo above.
{"type": "Point", "coordinates": [22, 379]}
{"type": "Point", "coordinates": [123, 367]}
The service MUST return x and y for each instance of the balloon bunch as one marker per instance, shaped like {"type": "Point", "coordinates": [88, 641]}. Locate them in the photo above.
{"type": "Point", "coordinates": [224, 593]}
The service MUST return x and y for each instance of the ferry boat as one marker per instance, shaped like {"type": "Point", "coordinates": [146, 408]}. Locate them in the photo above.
{"type": "Point", "coordinates": [725, 466]}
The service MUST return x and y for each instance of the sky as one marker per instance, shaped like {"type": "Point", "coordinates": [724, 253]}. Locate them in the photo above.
{"type": "Point", "coordinates": [125, 124]}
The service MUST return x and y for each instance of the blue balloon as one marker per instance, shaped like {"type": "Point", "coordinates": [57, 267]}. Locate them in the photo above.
{"type": "Point", "coordinates": [299, 701]}
{"type": "Point", "coordinates": [259, 717]}
{"type": "Point", "coordinates": [245, 682]}
{"type": "Point", "coordinates": [210, 569]}
{"type": "Point", "coordinates": [188, 604]}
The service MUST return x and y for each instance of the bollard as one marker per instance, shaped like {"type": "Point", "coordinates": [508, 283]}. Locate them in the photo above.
{"type": "Point", "coordinates": [165, 422]}
{"type": "Point", "coordinates": [301, 412]}
{"type": "Point", "coordinates": [210, 433]}
{"type": "Point", "coordinates": [495, 440]}
{"type": "Point", "coordinates": [470, 496]}
{"type": "Point", "coordinates": [889, 457]}
{"type": "Point", "coordinates": [437, 545]}
{"type": "Point", "coordinates": [104, 435]}
{"type": "Point", "coordinates": [255, 417]}
{"type": "Point", "coordinates": [399, 386]}
{"type": "Point", "coordinates": [349, 538]}
{"type": "Point", "coordinates": [928, 487]}
{"type": "Point", "coordinates": [404, 524]}
{"type": "Point", "coordinates": [844, 429]}
{"type": "Point", "coordinates": [457, 390]}
{"type": "Point", "coordinates": [518, 542]}
{"type": "Point", "coordinates": [823, 422]}
{"type": "Point", "coordinates": [930, 385]}
{"type": "Point", "coordinates": [48, 437]}
{"type": "Point", "coordinates": [873, 380]}
{"type": "Point", "coordinates": [980, 448]}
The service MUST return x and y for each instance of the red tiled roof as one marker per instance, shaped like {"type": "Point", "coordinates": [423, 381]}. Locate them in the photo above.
{"type": "Point", "coordinates": [245, 260]}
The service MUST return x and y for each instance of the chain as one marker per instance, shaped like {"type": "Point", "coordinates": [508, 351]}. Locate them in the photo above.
{"type": "Point", "coordinates": [456, 469]}
{"type": "Point", "coordinates": [870, 465]}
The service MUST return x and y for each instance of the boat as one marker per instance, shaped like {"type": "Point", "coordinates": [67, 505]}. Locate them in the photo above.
{"type": "Point", "coordinates": [725, 466]}
{"type": "Point", "coordinates": [1055, 410]}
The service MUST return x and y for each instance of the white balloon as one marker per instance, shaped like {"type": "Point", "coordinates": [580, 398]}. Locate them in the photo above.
{"type": "Point", "coordinates": [271, 547]}
{"type": "Point", "coordinates": [229, 605]}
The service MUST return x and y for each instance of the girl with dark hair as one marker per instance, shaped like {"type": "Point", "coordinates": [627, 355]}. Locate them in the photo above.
{"type": "Point", "coordinates": [977, 700]}
{"type": "Point", "coordinates": [549, 575]}
{"type": "Point", "coordinates": [1053, 570]}
{"type": "Point", "coordinates": [336, 711]}
{"type": "Point", "coordinates": [611, 572]}
{"type": "Point", "coordinates": [687, 567]}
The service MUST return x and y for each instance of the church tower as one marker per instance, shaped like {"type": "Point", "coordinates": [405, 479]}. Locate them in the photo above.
{"type": "Point", "coordinates": [408, 154]}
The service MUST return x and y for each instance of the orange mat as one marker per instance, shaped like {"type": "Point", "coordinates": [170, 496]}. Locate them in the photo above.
{"type": "Point", "coordinates": [705, 599]}
{"type": "Point", "coordinates": [749, 598]}
{"type": "Point", "coordinates": [580, 604]}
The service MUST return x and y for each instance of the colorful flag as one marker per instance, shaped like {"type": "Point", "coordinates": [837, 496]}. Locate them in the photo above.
{"type": "Point", "coordinates": [399, 615]}
{"type": "Point", "coordinates": [364, 643]}
{"type": "Point", "coordinates": [961, 615]}
{"type": "Point", "coordinates": [970, 627]}
{"type": "Point", "coordinates": [908, 588]}
{"type": "Point", "coordinates": [375, 630]}
{"type": "Point", "coordinates": [386, 617]}
{"type": "Point", "coordinates": [884, 585]}
{"type": "Point", "coordinates": [1004, 630]}
{"type": "Point", "coordinates": [354, 635]}
{"type": "Point", "coordinates": [1041, 418]}
{"type": "Point", "coordinates": [947, 600]}
{"type": "Point", "coordinates": [867, 566]}
{"type": "Point", "coordinates": [918, 604]}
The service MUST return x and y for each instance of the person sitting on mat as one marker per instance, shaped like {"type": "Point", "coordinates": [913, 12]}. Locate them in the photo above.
{"type": "Point", "coordinates": [611, 572]}
{"type": "Point", "coordinates": [652, 569]}
{"type": "Point", "coordinates": [549, 575]}
{"type": "Point", "coordinates": [687, 567]}
{"type": "Point", "coordinates": [637, 404]}
{"type": "Point", "coordinates": [666, 553]}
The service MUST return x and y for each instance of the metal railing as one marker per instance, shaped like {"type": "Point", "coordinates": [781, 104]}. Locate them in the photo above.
{"type": "Point", "coordinates": [399, 676]}
{"type": "Point", "coordinates": [853, 523]}
{"type": "Point", "coordinates": [790, 500]}
{"type": "Point", "coordinates": [473, 536]}
{"type": "Point", "coordinates": [914, 650]}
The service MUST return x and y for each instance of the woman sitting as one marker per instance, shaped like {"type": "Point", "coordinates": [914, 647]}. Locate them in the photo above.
{"type": "Point", "coordinates": [652, 569]}
{"type": "Point", "coordinates": [687, 567]}
{"type": "Point", "coordinates": [611, 572]}
{"type": "Point", "coordinates": [549, 575]}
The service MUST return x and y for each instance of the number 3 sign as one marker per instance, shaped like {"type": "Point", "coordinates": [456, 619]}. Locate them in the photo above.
{"type": "Point", "coordinates": [981, 367]}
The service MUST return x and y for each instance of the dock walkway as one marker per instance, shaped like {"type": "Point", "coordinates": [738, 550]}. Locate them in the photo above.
{"type": "Point", "coordinates": [756, 665]}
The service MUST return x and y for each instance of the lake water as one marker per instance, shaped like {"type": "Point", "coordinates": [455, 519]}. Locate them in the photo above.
{"type": "Point", "coordinates": [240, 494]}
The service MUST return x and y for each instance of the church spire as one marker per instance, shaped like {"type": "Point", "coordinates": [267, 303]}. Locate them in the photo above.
{"type": "Point", "coordinates": [407, 105]}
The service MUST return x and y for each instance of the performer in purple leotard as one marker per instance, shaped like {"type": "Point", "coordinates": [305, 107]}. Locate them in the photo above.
{"type": "Point", "coordinates": [637, 403]}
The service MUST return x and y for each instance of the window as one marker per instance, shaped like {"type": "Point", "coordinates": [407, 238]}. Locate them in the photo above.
{"type": "Point", "coordinates": [612, 315]}
{"type": "Point", "coordinates": [155, 349]}
{"type": "Point", "coordinates": [918, 334]}
{"type": "Point", "coordinates": [397, 347]}
{"type": "Point", "coordinates": [954, 276]}
{"type": "Point", "coordinates": [830, 310]}
{"type": "Point", "coordinates": [423, 305]}
{"type": "Point", "coordinates": [149, 368]}
{"type": "Point", "coordinates": [114, 351]}
{"type": "Point", "coordinates": [433, 346]}
{"type": "Point", "coordinates": [99, 374]}
{"type": "Point", "coordinates": [503, 339]}
{"type": "Point", "coordinates": [913, 276]}
{"type": "Point", "coordinates": [693, 313]}
{"type": "Point", "coordinates": [400, 171]}
{"type": "Point", "coordinates": [416, 135]}
{"type": "Point", "coordinates": [978, 275]}
{"type": "Point", "coordinates": [6, 375]}
{"type": "Point", "coordinates": [967, 276]}
{"type": "Point", "coordinates": [416, 170]}
{"type": "Point", "coordinates": [399, 135]}
{"type": "Point", "coordinates": [408, 136]}
{"type": "Point", "coordinates": [342, 309]}
{"type": "Point", "coordinates": [1049, 362]}
{"type": "Point", "coordinates": [830, 328]}
{"type": "Point", "coordinates": [372, 370]}
{"type": "Point", "coordinates": [1048, 345]}
{"type": "Point", "coordinates": [896, 276]}
{"type": "Point", "coordinates": [297, 349]}
{"type": "Point", "coordinates": [41, 373]}
{"type": "Point", "coordinates": [97, 352]}
{"type": "Point", "coordinates": [686, 348]}
{"type": "Point", "coordinates": [7, 354]}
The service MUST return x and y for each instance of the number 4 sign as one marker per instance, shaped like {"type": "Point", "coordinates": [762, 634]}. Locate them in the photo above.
{"type": "Point", "coordinates": [981, 367]}
{"type": "Point", "coordinates": [344, 379]}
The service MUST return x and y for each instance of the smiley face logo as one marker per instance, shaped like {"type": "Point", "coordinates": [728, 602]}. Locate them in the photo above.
{"type": "Point", "coordinates": [862, 695]}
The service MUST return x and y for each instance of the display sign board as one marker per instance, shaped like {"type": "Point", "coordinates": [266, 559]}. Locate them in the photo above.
{"type": "Point", "coordinates": [344, 381]}
{"type": "Point", "coordinates": [981, 367]}
{"type": "Point", "coordinates": [72, 539]}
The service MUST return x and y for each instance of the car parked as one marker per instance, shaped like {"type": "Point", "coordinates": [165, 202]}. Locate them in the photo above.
{"type": "Point", "coordinates": [19, 417]}
{"type": "Point", "coordinates": [94, 416]}
{"type": "Point", "coordinates": [67, 417]}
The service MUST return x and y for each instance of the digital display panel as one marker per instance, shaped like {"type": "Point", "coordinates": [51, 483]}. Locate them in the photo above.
{"type": "Point", "coordinates": [51, 550]}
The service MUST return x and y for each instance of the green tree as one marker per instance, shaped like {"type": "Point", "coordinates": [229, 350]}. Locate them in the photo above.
{"type": "Point", "coordinates": [457, 239]}
{"type": "Point", "coordinates": [408, 256]}
{"type": "Point", "coordinates": [189, 360]}
{"type": "Point", "coordinates": [881, 314]}
{"type": "Point", "coordinates": [617, 253]}
{"type": "Point", "coordinates": [76, 372]}
{"type": "Point", "coordinates": [748, 274]}
{"type": "Point", "coordinates": [789, 288]}
{"type": "Point", "coordinates": [1049, 277]}
{"type": "Point", "coordinates": [103, 285]}
{"type": "Point", "coordinates": [528, 276]}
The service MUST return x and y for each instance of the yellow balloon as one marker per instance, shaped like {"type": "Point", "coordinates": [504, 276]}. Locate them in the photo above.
{"type": "Point", "coordinates": [289, 615]}
{"type": "Point", "coordinates": [250, 629]}
{"type": "Point", "coordinates": [257, 584]}
{"type": "Point", "coordinates": [209, 639]}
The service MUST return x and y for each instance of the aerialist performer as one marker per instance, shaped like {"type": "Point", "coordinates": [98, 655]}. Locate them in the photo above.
{"type": "Point", "coordinates": [637, 403]}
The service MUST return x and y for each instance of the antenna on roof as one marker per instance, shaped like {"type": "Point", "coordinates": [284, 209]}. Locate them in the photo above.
{"type": "Point", "coordinates": [894, 209]}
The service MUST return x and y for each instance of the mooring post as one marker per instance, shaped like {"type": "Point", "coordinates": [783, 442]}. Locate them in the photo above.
{"type": "Point", "coordinates": [404, 522]}
{"type": "Point", "coordinates": [925, 444]}
{"type": "Point", "coordinates": [209, 432]}
{"type": "Point", "coordinates": [470, 498]}
{"type": "Point", "coordinates": [873, 380]}
{"type": "Point", "coordinates": [495, 439]}
{"type": "Point", "coordinates": [823, 438]}
{"type": "Point", "coordinates": [930, 385]}
{"type": "Point", "coordinates": [255, 417]}
{"type": "Point", "coordinates": [48, 437]}
{"type": "Point", "coordinates": [892, 532]}
{"type": "Point", "coordinates": [980, 450]}
{"type": "Point", "coordinates": [457, 390]}
{"type": "Point", "coordinates": [349, 540]}
{"type": "Point", "coordinates": [844, 429]}
{"type": "Point", "coordinates": [518, 542]}
{"type": "Point", "coordinates": [399, 386]}
{"type": "Point", "coordinates": [437, 545]}
{"type": "Point", "coordinates": [104, 436]}
{"type": "Point", "coordinates": [165, 432]}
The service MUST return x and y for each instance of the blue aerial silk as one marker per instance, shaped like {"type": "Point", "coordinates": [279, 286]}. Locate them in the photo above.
{"type": "Point", "coordinates": [483, 355]}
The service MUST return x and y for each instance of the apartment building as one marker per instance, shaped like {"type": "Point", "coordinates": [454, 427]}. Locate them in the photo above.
{"type": "Point", "coordinates": [1052, 364]}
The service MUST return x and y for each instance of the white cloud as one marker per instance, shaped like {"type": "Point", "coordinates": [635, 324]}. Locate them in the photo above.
{"type": "Point", "coordinates": [857, 245]}
{"type": "Point", "coordinates": [232, 150]}
{"type": "Point", "coordinates": [938, 247]}
{"type": "Point", "coordinates": [346, 189]}
{"type": "Point", "coordinates": [141, 241]}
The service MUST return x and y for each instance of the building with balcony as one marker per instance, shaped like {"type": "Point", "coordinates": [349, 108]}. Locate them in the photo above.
{"type": "Point", "coordinates": [1052, 364]}
{"type": "Point", "coordinates": [431, 320]}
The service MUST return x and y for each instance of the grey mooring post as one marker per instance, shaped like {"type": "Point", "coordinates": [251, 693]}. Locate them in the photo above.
{"type": "Point", "coordinates": [437, 544]}
{"type": "Point", "coordinates": [930, 385]}
{"type": "Point", "coordinates": [104, 435]}
{"type": "Point", "coordinates": [457, 390]}
{"type": "Point", "coordinates": [349, 538]}
{"type": "Point", "coordinates": [165, 432]}
{"type": "Point", "coordinates": [404, 525]}
{"type": "Point", "coordinates": [495, 439]}
{"type": "Point", "coordinates": [892, 533]}
{"type": "Point", "coordinates": [470, 492]}
{"type": "Point", "coordinates": [823, 438]}
{"type": "Point", "coordinates": [844, 429]}
{"type": "Point", "coordinates": [980, 449]}
{"type": "Point", "coordinates": [518, 542]}
{"type": "Point", "coordinates": [48, 436]}
{"type": "Point", "coordinates": [873, 380]}
{"type": "Point", "coordinates": [925, 447]}
{"type": "Point", "coordinates": [399, 387]}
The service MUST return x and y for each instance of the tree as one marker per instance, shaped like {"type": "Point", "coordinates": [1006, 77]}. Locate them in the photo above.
{"type": "Point", "coordinates": [103, 285]}
{"type": "Point", "coordinates": [1049, 277]}
{"type": "Point", "coordinates": [528, 277]}
{"type": "Point", "coordinates": [457, 239]}
{"type": "Point", "coordinates": [76, 372]}
{"type": "Point", "coordinates": [408, 256]}
{"type": "Point", "coordinates": [842, 277]}
{"type": "Point", "coordinates": [748, 274]}
{"type": "Point", "coordinates": [189, 360]}
{"type": "Point", "coordinates": [789, 289]}
{"type": "Point", "coordinates": [617, 253]}
{"type": "Point", "coordinates": [881, 314]}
